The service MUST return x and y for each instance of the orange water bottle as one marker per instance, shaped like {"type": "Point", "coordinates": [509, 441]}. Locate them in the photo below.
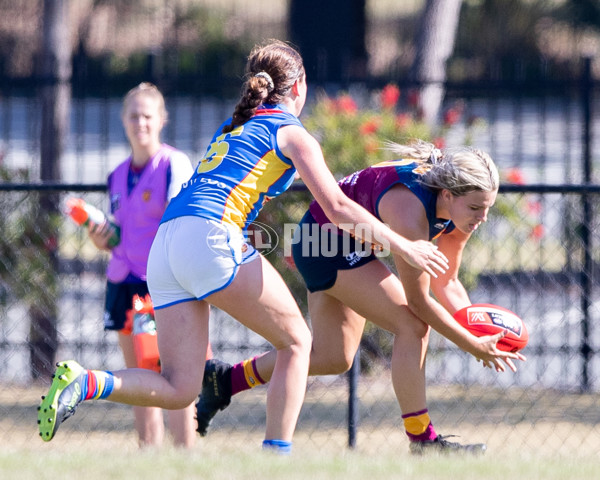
{"type": "Point", "coordinates": [82, 213]}
{"type": "Point", "coordinates": [145, 344]}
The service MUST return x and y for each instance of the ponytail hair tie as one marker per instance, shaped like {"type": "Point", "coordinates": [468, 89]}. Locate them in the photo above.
{"type": "Point", "coordinates": [436, 154]}
{"type": "Point", "coordinates": [267, 77]}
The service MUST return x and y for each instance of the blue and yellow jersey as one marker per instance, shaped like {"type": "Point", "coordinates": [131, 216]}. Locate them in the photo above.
{"type": "Point", "coordinates": [239, 172]}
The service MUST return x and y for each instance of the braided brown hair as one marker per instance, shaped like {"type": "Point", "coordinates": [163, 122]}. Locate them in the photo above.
{"type": "Point", "coordinates": [271, 71]}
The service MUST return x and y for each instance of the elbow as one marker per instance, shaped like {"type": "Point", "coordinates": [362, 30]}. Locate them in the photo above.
{"type": "Point", "coordinates": [337, 210]}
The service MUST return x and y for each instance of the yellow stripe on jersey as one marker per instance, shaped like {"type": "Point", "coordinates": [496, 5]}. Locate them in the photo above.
{"type": "Point", "coordinates": [244, 198]}
{"type": "Point", "coordinates": [393, 163]}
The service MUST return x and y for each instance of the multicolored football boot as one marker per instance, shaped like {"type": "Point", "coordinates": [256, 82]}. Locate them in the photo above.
{"type": "Point", "coordinates": [63, 397]}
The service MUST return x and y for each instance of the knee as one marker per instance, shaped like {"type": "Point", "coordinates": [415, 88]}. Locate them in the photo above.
{"type": "Point", "coordinates": [340, 365]}
{"type": "Point", "coordinates": [330, 364]}
{"type": "Point", "coordinates": [184, 390]}
{"type": "Point", "coordinates": [412, 327]}
{"type": "Point", "coordinates": [300, 343]}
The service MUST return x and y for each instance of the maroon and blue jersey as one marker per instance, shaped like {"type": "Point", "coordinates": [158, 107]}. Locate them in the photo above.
{"type": "Point", "coordinates": [367, 187]}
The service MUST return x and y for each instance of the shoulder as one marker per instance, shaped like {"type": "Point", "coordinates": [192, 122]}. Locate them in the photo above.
{"type": "Point", "coordinates": [399, 195]}
{"type": "Point", "coordinates": [180, 170]}
{"type": "Point", "coordinates": [293, 140]}
{"type": "Point", "coordinates": [400, 208]}
{"type": "Point", "coordinates": [178, 160]}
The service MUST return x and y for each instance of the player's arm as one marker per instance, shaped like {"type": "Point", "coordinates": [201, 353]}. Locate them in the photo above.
{"type": "Point", "coordinates": [304, 150]}
{"type": "Point", "coordinates": [404, 213]}
{"type": "Point", "coordinates": [447, 288]}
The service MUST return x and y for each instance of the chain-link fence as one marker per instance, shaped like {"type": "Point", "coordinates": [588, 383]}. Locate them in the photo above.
{"type": "Point", "coordinates": [537, 255]}
{"type": "Point", "coordinates": [538, 272]}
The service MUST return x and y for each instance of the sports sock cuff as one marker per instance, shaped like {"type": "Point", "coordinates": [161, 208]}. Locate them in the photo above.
{"type": "Point", "coordinates": [258, 377]}
{"type": "Point", "coordinates": [252, 378]}
{"type": "Point", "coordinates": [415, 414]}
{"type": "Point", "coordinates": [278, 446]}
{"type": "Point", "coordinates": [99, 385]}
{"type": "Point", "coordinates": [416, 423]}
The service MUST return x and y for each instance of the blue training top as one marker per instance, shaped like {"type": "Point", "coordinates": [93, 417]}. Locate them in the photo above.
{"type": "Point", "coordinates": [239, 172]}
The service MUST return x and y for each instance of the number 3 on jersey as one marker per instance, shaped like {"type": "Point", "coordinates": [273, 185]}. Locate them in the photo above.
{"type": "Point", "coordinates": [217, 151]}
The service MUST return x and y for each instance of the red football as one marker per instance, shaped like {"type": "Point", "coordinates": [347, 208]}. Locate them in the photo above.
{"type": "Point", "coordinates": [486, 319]}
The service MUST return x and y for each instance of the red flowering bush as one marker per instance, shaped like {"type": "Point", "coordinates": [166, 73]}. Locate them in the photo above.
{"type": "Point", "coordinates": [353, 134]}
{"type": "Point", "coordinates": [353, 138]}
{"type": "Point", "coordinates": [390, 96]}
{"type": "Point", "coordinates": [526, 214]}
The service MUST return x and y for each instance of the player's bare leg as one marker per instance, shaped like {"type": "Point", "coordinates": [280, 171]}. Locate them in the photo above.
{"type": "Point", "coordinates": [182, 339]}
{"type": "Point", "coordinates": [386, 306]}
{"type": "Point", "coordinates": [338, 322]}
{"type": "Point", "coordinates": [182, 426]}
{"type": "Point", "coordinates": [148, 421]}
{"type": "Point", "coordinates": [259, 299]}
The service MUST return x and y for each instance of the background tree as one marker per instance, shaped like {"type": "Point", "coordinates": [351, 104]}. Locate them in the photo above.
{"type": "Point", "coordinates": [434, 45]}
{"type": "Point", "coordinates": [55, 96]}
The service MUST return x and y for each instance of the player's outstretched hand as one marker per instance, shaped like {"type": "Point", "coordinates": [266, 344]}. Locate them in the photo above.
{"type": "Point", "coordinates": [493, 357]}
{"type": "Point", "coordinates": [425, 256]}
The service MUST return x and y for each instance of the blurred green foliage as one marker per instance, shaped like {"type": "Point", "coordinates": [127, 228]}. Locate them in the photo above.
{"type": "Point", "coordinates": [27, 245]}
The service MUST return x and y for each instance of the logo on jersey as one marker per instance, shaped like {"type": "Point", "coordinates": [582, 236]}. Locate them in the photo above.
{"type": "Point", "coordinates": [115, 202]}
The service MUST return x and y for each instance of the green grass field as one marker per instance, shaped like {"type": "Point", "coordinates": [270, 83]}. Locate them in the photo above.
{"type": "Point", "coordinates": [530, 435]}
{"type": "Point", "coordinates": [95, 462]}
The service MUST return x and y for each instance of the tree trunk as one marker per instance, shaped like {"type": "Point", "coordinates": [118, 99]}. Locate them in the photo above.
{"type": "Point", "coordinates": [55, 96]}
{"type": "Point", "coordinates": [435, 43]}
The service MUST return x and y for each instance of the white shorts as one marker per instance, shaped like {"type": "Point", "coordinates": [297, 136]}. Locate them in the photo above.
{"type": "Point", "coordinates": [192, 257]}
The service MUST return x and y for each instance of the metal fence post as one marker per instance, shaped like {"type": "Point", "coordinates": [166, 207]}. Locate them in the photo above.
{"type": "Point", "coordinates": [353, 376]}
{"type": "Point", "coordinates": [588, 266]}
